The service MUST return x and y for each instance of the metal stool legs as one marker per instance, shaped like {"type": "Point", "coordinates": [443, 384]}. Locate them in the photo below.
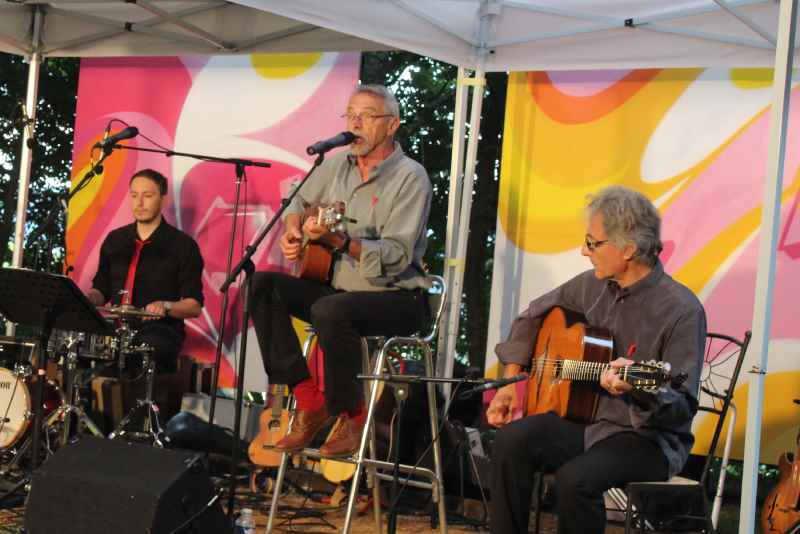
{"type": "Point", "coordinates": [436, 481]}
{"type": "Point", "coordinates": [276, 491]}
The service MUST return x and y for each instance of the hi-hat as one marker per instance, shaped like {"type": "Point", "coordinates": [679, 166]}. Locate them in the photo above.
{"type": "Point", "coordinates": [126, 311]}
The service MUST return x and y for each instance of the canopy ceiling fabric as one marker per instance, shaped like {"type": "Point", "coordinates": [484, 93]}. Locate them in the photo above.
{"type": "Point", "coordinates": [161, 28]}
{"type": "Point", "coordinates": [556, 34]}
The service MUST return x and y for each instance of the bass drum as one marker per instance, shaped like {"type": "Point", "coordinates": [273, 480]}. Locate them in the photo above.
{"type": "Point", "coordinates": [16, 396]}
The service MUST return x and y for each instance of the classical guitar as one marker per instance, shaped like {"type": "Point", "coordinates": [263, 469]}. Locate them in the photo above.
{"type": "Point", "coordinates": [569, 360]}
{"type": "Point", "coordinates": [316, 259]}
{"type": "Point", "coordinates": [781, 512]}
{"type": "Point", "coordinates": [272, 426]}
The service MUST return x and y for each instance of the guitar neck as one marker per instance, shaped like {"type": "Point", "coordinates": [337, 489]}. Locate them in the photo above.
{"type": "Point", "coordinates": [576, 370]}
{"type": "Point", "coordinates": [646, 376]}
{"type": "Point", "coordinates": [580, 371]}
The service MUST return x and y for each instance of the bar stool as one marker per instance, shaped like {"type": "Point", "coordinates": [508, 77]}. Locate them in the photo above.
{"type": "Point", "coordinates": [437, 296]}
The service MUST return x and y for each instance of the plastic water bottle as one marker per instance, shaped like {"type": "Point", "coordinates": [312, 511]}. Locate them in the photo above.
{"type": "Point", "coordinates": [245, 524]}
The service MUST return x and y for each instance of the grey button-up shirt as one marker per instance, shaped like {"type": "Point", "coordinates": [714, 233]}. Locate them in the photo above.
{"type": "Point", "coordinates": [391, 211]}
{"type": "Point", "coordinates": [658, 316]}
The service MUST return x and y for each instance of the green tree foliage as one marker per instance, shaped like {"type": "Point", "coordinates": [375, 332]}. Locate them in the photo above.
{"type": "Point", "coordinates": [52, 152]}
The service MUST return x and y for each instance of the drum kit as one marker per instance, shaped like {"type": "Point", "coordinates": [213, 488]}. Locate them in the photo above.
{"type": "Point", "coordinates": [80, 357]}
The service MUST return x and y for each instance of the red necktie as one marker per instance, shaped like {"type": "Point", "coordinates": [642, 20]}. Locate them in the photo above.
{"type": "Point", "coordinates": [127, 297]}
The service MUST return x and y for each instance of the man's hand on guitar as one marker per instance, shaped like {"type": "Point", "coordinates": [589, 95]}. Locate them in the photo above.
{"type": "Point", "coordinates": [313, 230]}
{"type": "Point", "coordinates": [611, 381]}
{"type": "Point", "coordinates": [291, 242]}
{"type": "Point", "coordinates": [502, 406]}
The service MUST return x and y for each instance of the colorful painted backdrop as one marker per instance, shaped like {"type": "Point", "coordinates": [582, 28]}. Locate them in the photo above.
{"type": "Point", "coordinates": [262, 107]}
{"type": "Point", "coordinates": [692, 140]}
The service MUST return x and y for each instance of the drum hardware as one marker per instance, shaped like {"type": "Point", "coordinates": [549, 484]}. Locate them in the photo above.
{"type": "Point", "coordinates": [14, 350]}
{"type": "Point", "coordinates": [91, 346]}
{"type": "Point", "coordinates": [70, 406]}
{"type": "Point", "coordinates": [152, 430]}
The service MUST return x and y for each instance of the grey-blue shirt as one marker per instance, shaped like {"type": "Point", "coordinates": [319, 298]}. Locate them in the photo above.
{"type": "Point", "coordinates": [658, 316]}
{"type": "Point", "coordinates": [391, 212]}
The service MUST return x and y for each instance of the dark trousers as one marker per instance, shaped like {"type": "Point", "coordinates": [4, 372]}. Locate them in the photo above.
{"type": "Point", "coordinates": [550, 444]}
{"type": "Point", "coordinates": [340, 319]}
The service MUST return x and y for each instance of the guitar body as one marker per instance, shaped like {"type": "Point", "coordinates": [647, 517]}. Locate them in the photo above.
{"type": "Point", "coordinates": [316, 260]}
{"type": "Point", "coordinates": [272, 426]}
{"type": "Point", "coordinates": [315, 263]}
{"type": "Point", "coordinates": [563, 337]}
{"type": "Point", "coordinates": [780, 512]}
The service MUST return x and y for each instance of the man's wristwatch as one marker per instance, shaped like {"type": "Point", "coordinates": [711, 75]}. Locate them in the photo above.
{"type": "Point", "coordinates": [167, 307]}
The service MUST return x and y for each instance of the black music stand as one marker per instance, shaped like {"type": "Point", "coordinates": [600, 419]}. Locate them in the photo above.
{"type": "Point", "coordinates": [47, 301]}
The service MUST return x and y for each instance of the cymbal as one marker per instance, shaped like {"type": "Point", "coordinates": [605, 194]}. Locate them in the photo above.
{"type": "Point", "coordinates": [126, 311]}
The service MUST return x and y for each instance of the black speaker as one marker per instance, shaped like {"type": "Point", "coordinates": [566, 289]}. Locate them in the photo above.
{"type": "Point", "coordinates": [107, 486]}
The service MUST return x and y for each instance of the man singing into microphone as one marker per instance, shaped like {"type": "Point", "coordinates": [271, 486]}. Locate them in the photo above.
{"type": "Point", "coordinates": [152, 265]}
{"type": "Point", "coordinates": [377, 285]}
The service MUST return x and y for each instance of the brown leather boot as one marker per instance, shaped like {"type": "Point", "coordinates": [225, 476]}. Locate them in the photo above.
{"type": "Point", "coordinates": [306, 425]}
{"type": "Point", "coordinates": [345, 440]}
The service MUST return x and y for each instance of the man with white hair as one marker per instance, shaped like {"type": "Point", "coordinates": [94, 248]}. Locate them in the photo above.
{"type": "Point", "coordinates": [635, 436]}
{"type": "Point", "coordinates": [377, 283]}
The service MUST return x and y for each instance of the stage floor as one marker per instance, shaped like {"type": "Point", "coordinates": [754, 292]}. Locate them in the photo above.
{"type": "Point", "coordinates": [302, 514]}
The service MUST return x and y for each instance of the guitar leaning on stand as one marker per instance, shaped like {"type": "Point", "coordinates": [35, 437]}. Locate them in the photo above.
{"type": "Point", "coordinates": [780, 514]}
{"type": "Point", "coordinates": [272, 426]}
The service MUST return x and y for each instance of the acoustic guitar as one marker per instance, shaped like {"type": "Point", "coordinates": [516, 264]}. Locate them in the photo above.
{"type": "Point", "coordinates": [316, 259]}
{"type": "Point", "coordinates": [569, 360]}
{"type": "Point", "coordinates": [781, 512]}
{"type": "Point", "coordinates": [272, 426]}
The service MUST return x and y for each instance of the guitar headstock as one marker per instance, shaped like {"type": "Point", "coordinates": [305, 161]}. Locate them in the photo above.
{"type": "Point", "coordinates": [648, 376]}
{"type": "Point", "coordinates": [332, 216]}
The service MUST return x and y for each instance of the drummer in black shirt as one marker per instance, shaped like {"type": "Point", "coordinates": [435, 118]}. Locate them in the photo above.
{"type": "Point", "coordinates": [152, 265]}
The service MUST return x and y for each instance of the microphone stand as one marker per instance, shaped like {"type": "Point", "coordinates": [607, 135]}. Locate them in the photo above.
{"type": "Point", "coordinates": [246, 265]}
{"type": "Point", "coordinates": [240, 164]}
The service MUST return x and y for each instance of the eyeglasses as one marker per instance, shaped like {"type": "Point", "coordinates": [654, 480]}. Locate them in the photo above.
{"type": "Point", "coordinates": [364, 117]}
{"type": "Point", "coordinates": [592, 244]}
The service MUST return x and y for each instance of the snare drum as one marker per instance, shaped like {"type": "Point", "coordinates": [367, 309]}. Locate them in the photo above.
{"type": "Point", "coordinates": [16, 394]}
{"type": "Point", "coordinates": [92, 346]}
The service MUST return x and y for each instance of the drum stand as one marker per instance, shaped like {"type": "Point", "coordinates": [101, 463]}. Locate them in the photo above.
{"type": "Point", "coordinates": [70, 406]}
{"type": "Point", "coordinates": [152, 430]}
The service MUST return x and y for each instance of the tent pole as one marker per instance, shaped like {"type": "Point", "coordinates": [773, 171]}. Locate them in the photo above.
{"type": "Point", "coordinates": [455, 283]}
{"type": "Point", "coordinates": [26, 154]}
{"type": "Point", "coordinates": [767, 253]}
{"type": "Point", "coordinates": [451, 263]}
{"type": "Point", "coordinates": [458, 233]}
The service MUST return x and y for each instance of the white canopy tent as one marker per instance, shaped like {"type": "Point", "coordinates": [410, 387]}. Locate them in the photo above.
{"type": "Point", "coordinates": [476, 35]}
{"type": "Point", "coordinates": [95, 28]}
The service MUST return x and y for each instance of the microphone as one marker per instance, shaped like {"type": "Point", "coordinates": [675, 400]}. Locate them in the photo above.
{"type": "Point", "coordinates": [127, 133]}
{"type": "Point", "coordinates": [493, 384]}
{"type": "Point", "coordinates": [320, 147]}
